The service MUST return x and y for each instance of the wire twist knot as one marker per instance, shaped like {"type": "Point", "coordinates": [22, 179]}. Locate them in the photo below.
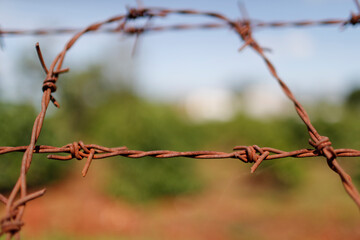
{"type": "Point", "coordinates": [323, 147]}
{"type": "Point", "coordinates": [254, 154]}
{"type": "Point", "coordinates": [11, 227]}
{"type": "Point", "coordinates": [244, 29]}
{"type": "Point", "coordinates": [75, 151]}
{"type": "Point", "coordinates": [354, 19]}
{"type": "Point", "coordinates": [49, 83]}
{"type": "Point", "coordinates": [134, 13]}
{"type": "Point", "coordinates": [251, 154]}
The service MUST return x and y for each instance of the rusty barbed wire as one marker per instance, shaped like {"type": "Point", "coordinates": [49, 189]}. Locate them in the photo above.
{"type": "Point", "coordinates": [353, 20]}
{"type": "Point", "coordinates": [12, 223]}
{"type": "Point", "coordinates": [128, 30]}
{"type": "Point", "coordinates": [247, 154]}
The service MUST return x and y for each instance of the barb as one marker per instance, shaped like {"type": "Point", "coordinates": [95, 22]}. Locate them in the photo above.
{"type": "Point", "coordinates": [11, 223]}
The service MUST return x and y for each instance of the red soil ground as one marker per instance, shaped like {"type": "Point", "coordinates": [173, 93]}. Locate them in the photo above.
{"type": "Point", "coordinates": [229, 208]}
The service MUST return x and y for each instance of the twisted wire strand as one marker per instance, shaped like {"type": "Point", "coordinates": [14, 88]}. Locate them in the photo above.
{"type": "Point", "coordinates": [352, 20]}
{"type": "Point", "coordinates": [247, 154]}
{"type": "Point", "coordinates": [79, 150]}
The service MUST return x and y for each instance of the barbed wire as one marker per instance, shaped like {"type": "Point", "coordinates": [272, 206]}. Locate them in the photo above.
{"type": "Point", "coordinates": [353, 20]}
{"type": "Point", "coordinates": [247, 154]}
{"type": "Point", "coordinates": [12, 223]}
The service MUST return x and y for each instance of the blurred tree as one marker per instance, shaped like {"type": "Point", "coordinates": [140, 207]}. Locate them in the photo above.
{"type": "Point", "coordinates": [103, 108]}
{"type": "Point", "coordinates": [282, 133]}
{"type": "Point", "coordinates": [349, 127]}
{"type": "Point", "coordinates": [128, 120]}
{"type": "Point", "coordinates": [16, 121]}
{"type": "Point", "coordinates": [114, 116]}
{"type": "Point", "coordinates": [353, 99]}
{"type": "Point", "coordinates": [100, 107]}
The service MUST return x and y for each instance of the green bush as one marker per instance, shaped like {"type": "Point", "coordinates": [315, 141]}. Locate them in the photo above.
{"type": "Point", "coordinates": [283, 133]}
{"type": "Point", "coordinates": [128, 120]}
{"type": "Point", "coordinates": [114, 116]}
{"type": "Point", "coordinates": [16, 121]}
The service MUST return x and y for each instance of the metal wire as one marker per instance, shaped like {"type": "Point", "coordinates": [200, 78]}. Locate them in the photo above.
{"type": "Point", "coordinates": [11, 223]}
{"type": "Point", "coordinates": [255, 24]}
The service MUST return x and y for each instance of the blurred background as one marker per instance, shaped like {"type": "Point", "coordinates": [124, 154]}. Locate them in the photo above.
{"type": "Point", "coordinates": [183, 91]}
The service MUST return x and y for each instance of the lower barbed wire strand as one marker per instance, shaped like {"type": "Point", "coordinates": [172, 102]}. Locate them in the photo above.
{"type": "Point", "coordinates": [101, 152]}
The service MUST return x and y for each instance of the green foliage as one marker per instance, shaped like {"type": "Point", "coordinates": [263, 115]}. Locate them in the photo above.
{"type": "Point", "coordinates": [128, 120]}
{"type": "Point", "coordinates": [147, 179]}
{"type": "Point", "coordinates": [111, 116]}
{"type": "Point", "coordinates": [115, 117]}
{"type": "Point", "coordinates": [285, 134]}
{"type": "Point", "coordinates": [353, 100]}
{"type": "Point", "coordinates": [16, 121]}
{"type": "Point", "coordinates": [97, 110]}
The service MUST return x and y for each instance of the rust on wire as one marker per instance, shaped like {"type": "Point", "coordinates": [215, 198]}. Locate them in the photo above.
{"type": "Point", "coordinates": [247, 154]}
{"type": "Point", "coordinates": [11, 223]}
{"type": "Point", "coordinates": [255, 24]}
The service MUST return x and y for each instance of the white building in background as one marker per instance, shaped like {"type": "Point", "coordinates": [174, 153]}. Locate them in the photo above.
{"type": "Point", "coordinates": [265, 100]}
{"type": "Point", "coordinates": [219, 104]}
{"type": "Point", "coordinates": [210, 104]}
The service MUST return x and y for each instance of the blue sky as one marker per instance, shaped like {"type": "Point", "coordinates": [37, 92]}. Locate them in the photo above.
{"type": "Point", "coordinates": [313, 61]}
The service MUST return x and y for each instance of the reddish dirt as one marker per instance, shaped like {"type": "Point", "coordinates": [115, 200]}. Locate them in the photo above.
{"type": "Point", "coordinates": [229, 209]}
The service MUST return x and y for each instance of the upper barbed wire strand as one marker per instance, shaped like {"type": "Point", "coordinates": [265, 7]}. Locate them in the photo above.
{"type": "Point", "coordinates": [256, 24]}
